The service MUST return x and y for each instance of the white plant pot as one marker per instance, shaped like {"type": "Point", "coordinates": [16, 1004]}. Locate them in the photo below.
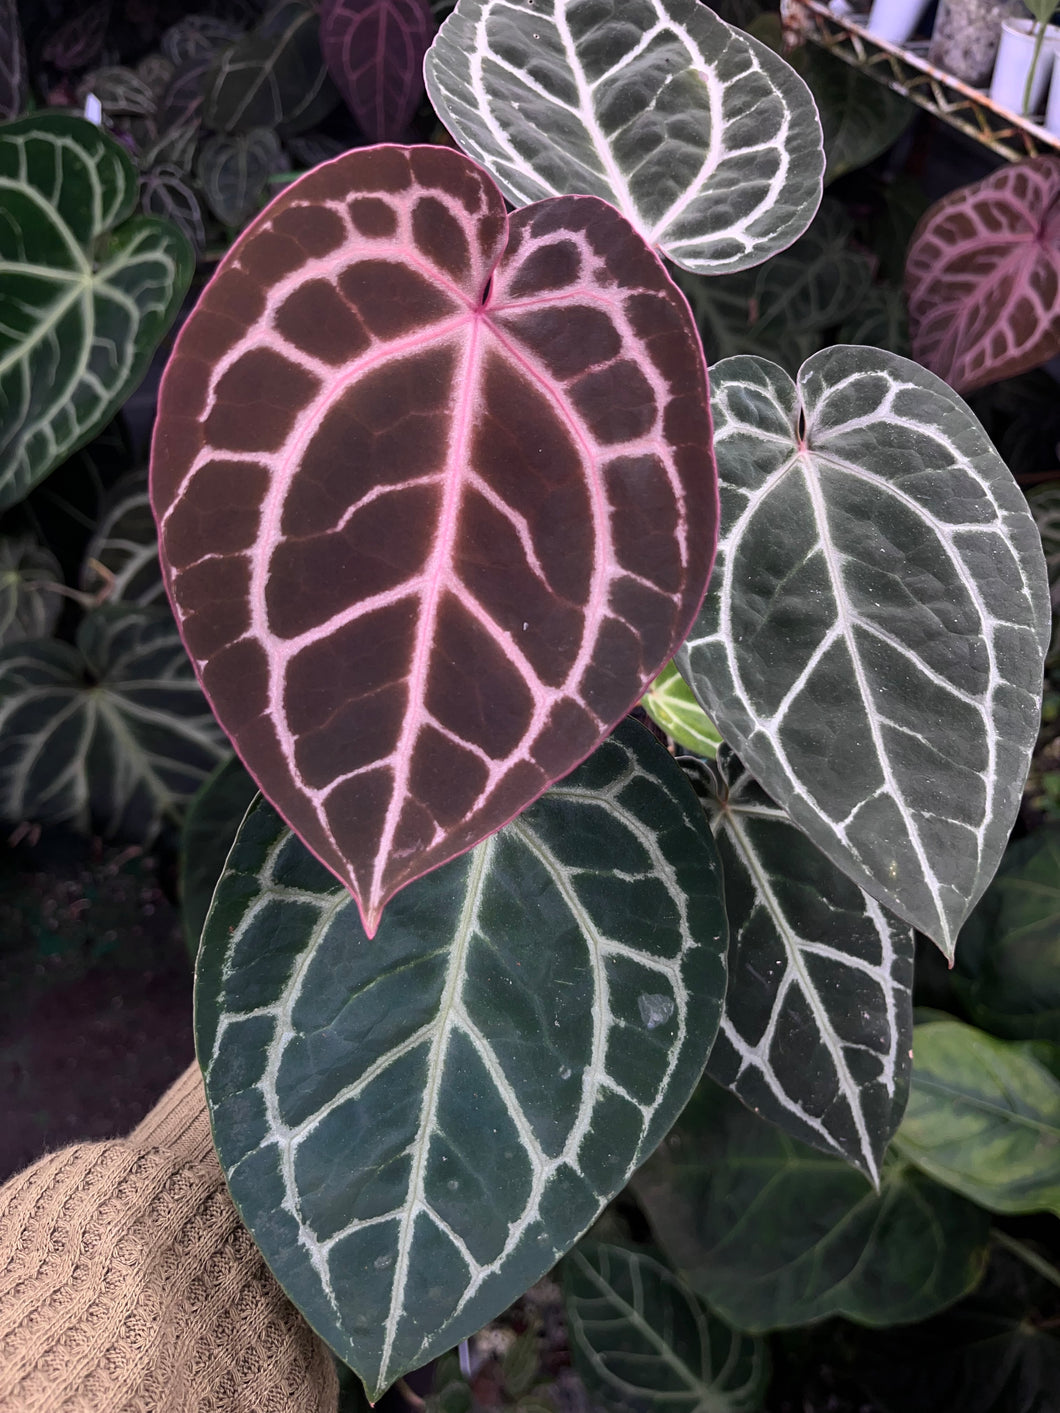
{"type": "Point", "coordinates": [1014, 59]}
{"type": "Point", "coordinates": [894, 20]}
{"type": "Point", "coordinates": [1052, 108]}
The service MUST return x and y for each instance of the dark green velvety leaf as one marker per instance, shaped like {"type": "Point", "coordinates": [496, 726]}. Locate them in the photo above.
{"type": "Point", "coordinates": [645, 107]}
{"type": "Point", "coordinates": [233, 170]}
{"type": "Point", "coordinates": [983, 1118]}
{"type": "Point", "coordinates": [641, 1339]}
{"type": "Point", "coordinates": [112, 735]}
{"type": "Point", "coordinates": [1008, 957]}
{"type": "Point", "coordinates": [86, 290]}
{"type": "Point", "coordinates": [881, 321]}
{"type": "Point", "coordinates": [772, 1233]}
{"type": "Point", "coordinates": [818, 1013]}
{"type": "Point", "coordinates": [210, 828]}
{"type": "Point", "coordinates": [30, 583]}
{"type": "Point", "coordinates": [873, 637]}
{"type": "Point", "coordinates": [670, 704]}
{"type": "Point", "coordinates": [121, 561]}
{"type": "Point", "coordinates": [415, 1128]}
{"type": "Point", "coordinates": [165, 191]}
{"type": "Point", "coordinates": [860, 117]}
{"type": "Point", "coordinates": [274, 77]}
{"type": "Point", "coordinates": [14, 78]}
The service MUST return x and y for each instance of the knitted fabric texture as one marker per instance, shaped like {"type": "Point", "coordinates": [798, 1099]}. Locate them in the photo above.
{"type": "Point", "coordinates": [128, 1284]}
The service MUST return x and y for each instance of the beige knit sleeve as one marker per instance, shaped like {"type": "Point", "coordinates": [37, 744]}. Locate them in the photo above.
{"type": "Point", "coordinates": [128, 1284]}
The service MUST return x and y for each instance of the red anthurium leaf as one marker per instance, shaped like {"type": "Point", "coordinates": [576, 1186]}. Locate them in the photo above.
{"type": "Point", "coordinates": [374, 52]}
{"type": "Point", "coordinates": [983, 277]}
{"type": "Point", "coordinates": [437, 500]}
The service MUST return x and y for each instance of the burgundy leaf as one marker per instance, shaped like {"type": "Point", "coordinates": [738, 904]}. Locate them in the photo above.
{"type": "Point", "coordinates": [374, 52]}
{"type": "Point", "coordinates": [983, 277]}
{"type": "Point", "coordinates": [437, 500]}
{"type": "Point", "coordinates": [79, 42]}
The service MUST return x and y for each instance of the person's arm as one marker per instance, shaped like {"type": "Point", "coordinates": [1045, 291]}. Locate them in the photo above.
{"type": "Point", "coordinates": [128, 1282]}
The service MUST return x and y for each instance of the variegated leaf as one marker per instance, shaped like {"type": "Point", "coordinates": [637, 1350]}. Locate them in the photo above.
{"type": "Point", "coordinates": [233, 170]}
{"type": "Point", "coordinates": [14, 78]}
{"type": "Point", "coordinates": [121, 561]}
{"type": "Point", "coordinates": [641, 1339]}
{"type": "Point", "coordinates": [415, 1129]}
{"type": "Point", "coordinates": [983, 276]}
{"type": "Point", "coordinates": [31, 583]}
{"type": "Point", "coordinates": [818, 1014]}
{"type": "Point", "coordinates": [165, 192]}
{"type": "Point", "coordinates": [120, 90]}
{"type": "Point", "coordinates": [670, 704]}
{"type": "Point", "coordinates": [706, 141]}
{"type": "Point", "coordinates": [872, 646]}
{"type": "Point", "coordinates": [198, 36]}
{"type": "Point", "coordinates": [374, 51]}
{"type": "Point", "coordinates": [86, 290]}
{"type": "Point", "coordinates": [113, 735]}
{"type": "Point", "coordinates": [437, 500]}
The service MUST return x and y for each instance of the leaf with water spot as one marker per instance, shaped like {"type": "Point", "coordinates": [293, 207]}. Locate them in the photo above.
{"type": "Point", "coordinates": [415, 1128]}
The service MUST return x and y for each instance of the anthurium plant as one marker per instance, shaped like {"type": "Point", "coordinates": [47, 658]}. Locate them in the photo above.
{"type": "Point", "coordinates": [438, 487]}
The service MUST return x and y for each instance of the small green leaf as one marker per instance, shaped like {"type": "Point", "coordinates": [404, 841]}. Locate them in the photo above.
{"type": "Point", "coordinates": [773, 1234]}
{"type": "Point", "coordinates": [983, 1118]}
{"type": "Point", "coordinates": [273, 77]}
{"type": "Point", "coordinates": [233, 170]}
{"type": "Point", "coordinates": [641, 1339]}
{"type": "Point", "coordinates": [415, 1128]}
{"type": "Point", "coordinates": [30, 590]}
{"type": "Point", "coordinates": [86, 290]}
{"type": "Point", "coordinates": [521, 1365]}
{"type": "Point", "coordinates": [670, 704]}
{"type": "Point", "coordinates": [121, 561]}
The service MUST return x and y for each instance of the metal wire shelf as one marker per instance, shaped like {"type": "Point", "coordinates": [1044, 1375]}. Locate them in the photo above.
{"type": "Point", "coordinates": [908, 72]}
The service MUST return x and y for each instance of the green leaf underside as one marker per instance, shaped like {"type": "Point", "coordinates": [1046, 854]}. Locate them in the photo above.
{"type": "Point", "coordinates": [773, 1234]}
{"type": "Point", "coordinates": [87, 290]}
{"type": "Point", "coordinates": [705, 140]}
{"type": "Point", "coordinates": [415, 1128]}
{"type": "Point", "coordinates": [983, 1118]}
{"type": "Point", "coordinates": [641, 1338]}
{"type": "Point", "coordinates": [670, 704]}
{"type": "Point", "coordinates": [872, 641]}
{"type": "Point", "coordinates": [818, 1016]}
{"type": "Point", "coordinates": [1008, 957]}
{"type": "Point", "coordinates": [113, 735]}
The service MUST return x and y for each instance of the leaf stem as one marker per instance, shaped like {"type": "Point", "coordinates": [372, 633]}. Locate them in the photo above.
{"type": "Point", "coordinates": [1027, 1254]}
{"type": "Point", "coordinates": [410, 1396]}
{"type": "Point", "coordinates": [1039, 39]}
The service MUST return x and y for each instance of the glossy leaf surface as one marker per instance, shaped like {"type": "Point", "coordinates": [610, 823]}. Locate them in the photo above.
{"type": "Point", "coordinates": [705, 140]}
{"type": "Point", "coordinates": [415, 1128]}
{"type": "Point", "coordinates": [983, 1118]}
{"type": "Point", "coordinates": [983, 276]}
{"type": "Point", "coordinates": [818, 1013]}
{"type": "Point", "coordinates": [774, 1234]}
{"type": "Point", "coordinates": [87, 290]}
{"type": "Point", "coordinates": [30, 583]}
{"type": "Point", "coordinates": [273, 77]}
{"type": "Point", "coordinates": [642, 1339]}
{"type": "Point", "coordinates": [113, 735]}
{"type": "Point", "coordinates": [425, 549]}
{"type": "Point", "coordinates": [670, 704]}
{"type": "Point", "coordinates": [374, 52]}
{"type": "Point", "coordinates": [872, 644]}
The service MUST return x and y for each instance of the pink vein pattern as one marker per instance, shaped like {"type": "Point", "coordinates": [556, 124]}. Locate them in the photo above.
{"type": "Point", "coordinates": [437, 500]}
{"type": "Point", "coordinates": [983, 277]}
{"type": "Point", "coordinates": [374, 52]}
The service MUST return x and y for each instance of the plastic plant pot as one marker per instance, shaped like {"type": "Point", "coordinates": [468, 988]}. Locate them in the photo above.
{"type": "Point", "coordinates": [1014, 58]}
{"type": "Point", "coordinates": [894, 21]}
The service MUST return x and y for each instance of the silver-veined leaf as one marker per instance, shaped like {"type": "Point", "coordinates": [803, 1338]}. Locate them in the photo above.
{"type": "Point", "coordinates": [983, 1118]}
{"type": "Point", "coordinates": [14, 79]}
{"type": "Point", "coordinates": [233, 169]}
{"type": "Point", "coordinates": [86, 290]}
{"type": "Point", "coordinates": [705, 140]}
{"type": "Point", "coordinates": [165, 191]}
{"type": "Point", "coordinates": [641, 1339]}
{"type": "Point", "coordinates": [818, 1014]}
{"type": "Point", "coordinates": [873, 639]}
{"type": "Point", "coordinates": [670, 704]}
{"type": "Point", "coordinates": [113, 734]}
{"type": "Point", "coordinates": [121, 560]}
{"type": "Point", "coordinates": [415, 1128]}
{"type": "Point", "coordinates": [31, 583]}
{"type": "Point", "coordinates": [773, 1234]}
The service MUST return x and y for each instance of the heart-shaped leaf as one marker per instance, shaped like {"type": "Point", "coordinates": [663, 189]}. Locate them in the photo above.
{"type": "Point", "coordinates": [774, 1234]}
{"type": "Point", "coordinates": [198, 36]}
{"type": "Point", "coordinates": [861, 118]}
{"type": "Point", "coordinates": [705, 140]}
{"type": "Point", "coordinates": [111, 735]}
{"type": "Point", "coordinates": [14, 79]}
{"type": "Point", "coordinates": [87, 293]}
{"type": "Point", "coordinates": [437, 500]}
{"type": "Point", "coordinates": [120, 90]}
{"type": "Point", "coordinates": [233, 170]}
{"type": "Point", "coordinates": [983, 276]}
{"type": "Point", "coordinates": [641, 1339]}
{"type": "Point", "coordinates": [670, 704]}
{"type": "Point", "coordinates": [121, 560]}
{"type": "Point", "coordinates": [165, 192]}
{"type": "Point", "coordinates": [374, 52]}
{"type": "Point", "coordinates": [31, 582]}
{"type": "Point", "coordinates": [983, 1118]}
{"type": "Point", "coordinates": [274, 77]}
{"type": "Point", "coordinates": [818, 1013]}
{"type": "Point", "coordinates": [873, 645]}
{"type": "Point", "coordinates": [414, 1130]}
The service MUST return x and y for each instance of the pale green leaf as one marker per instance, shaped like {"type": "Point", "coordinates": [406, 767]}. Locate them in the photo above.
{"type": "Point", "coordinates": [670, 704]}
